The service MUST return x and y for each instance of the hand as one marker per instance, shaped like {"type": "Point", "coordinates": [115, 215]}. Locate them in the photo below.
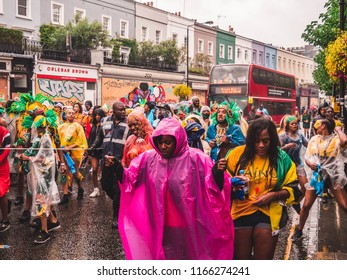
{"type": "Point", "coordinates": [222, 164]}
{"type": "Point", "coordinates": [109, 160]}
{"type": "Point", "coordinates": [264, 199]}
{"type": "Point", "coordinates": [212, 143]}
{"type": "Point", "coordinates": [225, 139]}
{"type": "Point", "coordinates": [313, 166]}
{"type": "Point", "coordinates": [24, 157]}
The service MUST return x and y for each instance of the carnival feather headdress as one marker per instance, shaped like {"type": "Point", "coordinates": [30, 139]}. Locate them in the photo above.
{"type": "Point", "coordinates": [232, 110]}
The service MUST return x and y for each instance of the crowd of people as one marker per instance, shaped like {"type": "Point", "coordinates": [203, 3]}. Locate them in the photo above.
{"type": "Point", "coordinates": [186, 181]}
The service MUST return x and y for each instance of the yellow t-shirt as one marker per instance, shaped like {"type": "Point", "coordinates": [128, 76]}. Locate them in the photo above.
{"type": "Point", "coordinates": [260, 182]}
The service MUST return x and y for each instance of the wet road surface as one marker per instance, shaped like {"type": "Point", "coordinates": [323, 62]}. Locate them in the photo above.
{"type": "Point", "coordinates": [85, 233]}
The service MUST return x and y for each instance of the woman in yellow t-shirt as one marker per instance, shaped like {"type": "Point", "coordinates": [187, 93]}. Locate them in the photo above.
{"type": "Point", "coordinates": [272, 180]}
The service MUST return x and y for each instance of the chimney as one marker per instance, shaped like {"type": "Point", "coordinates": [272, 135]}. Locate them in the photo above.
{"type": "Point", "coordinates": [151, 4]}
{"type": "Point", "coordinates": [179, 14]}
{"type": "Point", "coordinates": [231, 29]}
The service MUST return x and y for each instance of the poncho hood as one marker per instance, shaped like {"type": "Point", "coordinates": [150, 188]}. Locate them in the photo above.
{"type": "Point", "coordinates": [172, 127]}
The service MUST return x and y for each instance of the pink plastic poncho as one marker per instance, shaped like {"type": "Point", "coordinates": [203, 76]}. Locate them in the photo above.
{"type": "Point", "coordinates": [172, 208]}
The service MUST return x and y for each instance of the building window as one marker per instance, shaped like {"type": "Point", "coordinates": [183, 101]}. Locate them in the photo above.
{"type": "Point", "coordinates": [200, 46]}
{"type": "Point", "coordinates": [80, 13]}
{"type": "Point", "coordinates": [289, 65]}
{"type": "Point", "coordinates": [246, 54]}
{"type": "Point", "coordinates": [185, 41]}
{"type": "Point", "coordinates": [230, 53]}
{"type": "Point", "coordinates": [254, 58]}
{"type": "Point", "coordinates": [57, 13]}
{"type": "Point", "coordinates": [267, 59]}
{"type": "Point", "coordinates": [124, 29]}
{"type": "Point", "coordinates": [260, 57]}
{"type": "Point", "coordinates": [106, 24]}
{"type": "Point", "coordinates": [221, 51]}
{"type": "Point", "coordinates": [23, 8]}
{"type": "Point", "coordinates": [210, 48]}
{"type": "Point", "coordinates": [273, 61]}
{"type": "Point", "coordinates": [157, 36]}
{"type": "Point", "coordinates": [144, 34]}
{"type": "Point", "coordinates": [174, 37]}
{"type": "Point", "coordinates": [238, 53]}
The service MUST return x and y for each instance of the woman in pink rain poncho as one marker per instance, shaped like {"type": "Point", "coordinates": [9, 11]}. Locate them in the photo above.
{"type": "Point", "coordinates": [171, 205]}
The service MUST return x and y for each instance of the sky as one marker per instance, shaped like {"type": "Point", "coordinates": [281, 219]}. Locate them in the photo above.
{"type": "Point", "coordinates": [277, 22]}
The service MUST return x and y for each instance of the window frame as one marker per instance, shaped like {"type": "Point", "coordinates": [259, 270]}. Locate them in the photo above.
{"type": "Point", "coordinates": [210, 50]}
{"type": "Point", "coordinates": [200, 46]}
{"type": "Point", "coordinates": [126, 31]}
{"type": "Point", "coordinates": [84, 12]}
{"type": "Point", "coordinates": [61, 16]}
{"type": "Point", "coordinates": [157, 36]}
{"type": "Point", "coordinates": [221, 50]}
{"type": "Point", "coordinates": [144, 38]}
{"type": "Point", "coordinates": [109, 28]}
{"type": "Point", "coordinates": [28, 9]}
{"type": "Point", "coordinates": [230, 52]}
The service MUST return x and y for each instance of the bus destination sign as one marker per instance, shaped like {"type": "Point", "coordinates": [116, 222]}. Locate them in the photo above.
{"type": "Point", "coordinates": [279, 92]}
{"type": "Point", "coordinates": [229, 90]}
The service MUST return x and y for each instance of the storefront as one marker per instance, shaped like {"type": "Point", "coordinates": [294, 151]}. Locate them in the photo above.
{"type": "Point", "coordinates": [67, 83]}
{"type": "Point", "coordinates": [21, 75]}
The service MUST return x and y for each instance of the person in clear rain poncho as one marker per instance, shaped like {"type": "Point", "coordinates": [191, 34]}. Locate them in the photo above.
{"type": "Point", "coordinates": [325, 156]}
{"type": "Point", "coordinates": [41, 179]}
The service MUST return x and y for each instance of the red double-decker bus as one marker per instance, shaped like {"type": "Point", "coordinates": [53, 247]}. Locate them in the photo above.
{"type": "Point", "coordinates": [252, 84]}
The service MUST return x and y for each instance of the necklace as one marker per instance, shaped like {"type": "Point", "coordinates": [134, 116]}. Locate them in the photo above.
{"type": "Point", "coordinates": [220, 131]}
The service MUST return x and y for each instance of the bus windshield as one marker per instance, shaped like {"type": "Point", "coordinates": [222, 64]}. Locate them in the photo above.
{"type": "Point", "coordinates": [229, 74]}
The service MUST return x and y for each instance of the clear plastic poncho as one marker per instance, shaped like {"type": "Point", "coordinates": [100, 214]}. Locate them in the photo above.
{"type": "Point", "coordinates": [41, 177]}
{"type": "Point", "coordinates": [326, 151]}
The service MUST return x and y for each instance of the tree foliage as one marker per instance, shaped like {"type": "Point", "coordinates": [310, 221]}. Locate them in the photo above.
{"type": "Point", "coordinates": [320, 33]}
{"type": "Point", "coordinates": [84, 35]}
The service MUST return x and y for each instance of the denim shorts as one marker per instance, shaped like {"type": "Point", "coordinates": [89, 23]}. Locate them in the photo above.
{"type": "Point", "coordinates": [257, 219]}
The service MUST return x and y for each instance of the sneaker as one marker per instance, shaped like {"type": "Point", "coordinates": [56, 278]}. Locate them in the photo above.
{"type": "Point", "coordinates": [91, 171]}
{"type": "Point", "coordinates": [52, 226]}
{"type": "Point", "coordinates": [297, 234]}
{"type": "Point", "coordinates": [19, 200]}
{"type": "Point", "coordinates": [99, 176]}
{"type": "Point", "coordinates": [42, 237]}
{"type": "Point", "coordinates": [36, 224]}
{"type": "Point", "coordinates": [25, 216]}
{"type": "Point", "coordinates": [80, 193]}
{"type": "Point", "coordinates": [95, 193]}
{"type": "Point", "coordinates": [4, 225]}
{"type": "Point", "coordinates": [65, 199]}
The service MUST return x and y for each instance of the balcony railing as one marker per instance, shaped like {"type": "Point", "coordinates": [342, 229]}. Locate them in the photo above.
{"type": "Point", "coordinates": [155, 64]}
{"type": "Point", "coordinates": [9, 48]}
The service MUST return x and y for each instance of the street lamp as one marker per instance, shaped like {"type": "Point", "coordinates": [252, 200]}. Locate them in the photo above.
{"type": "Point", "coordinates": [206, 22]}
